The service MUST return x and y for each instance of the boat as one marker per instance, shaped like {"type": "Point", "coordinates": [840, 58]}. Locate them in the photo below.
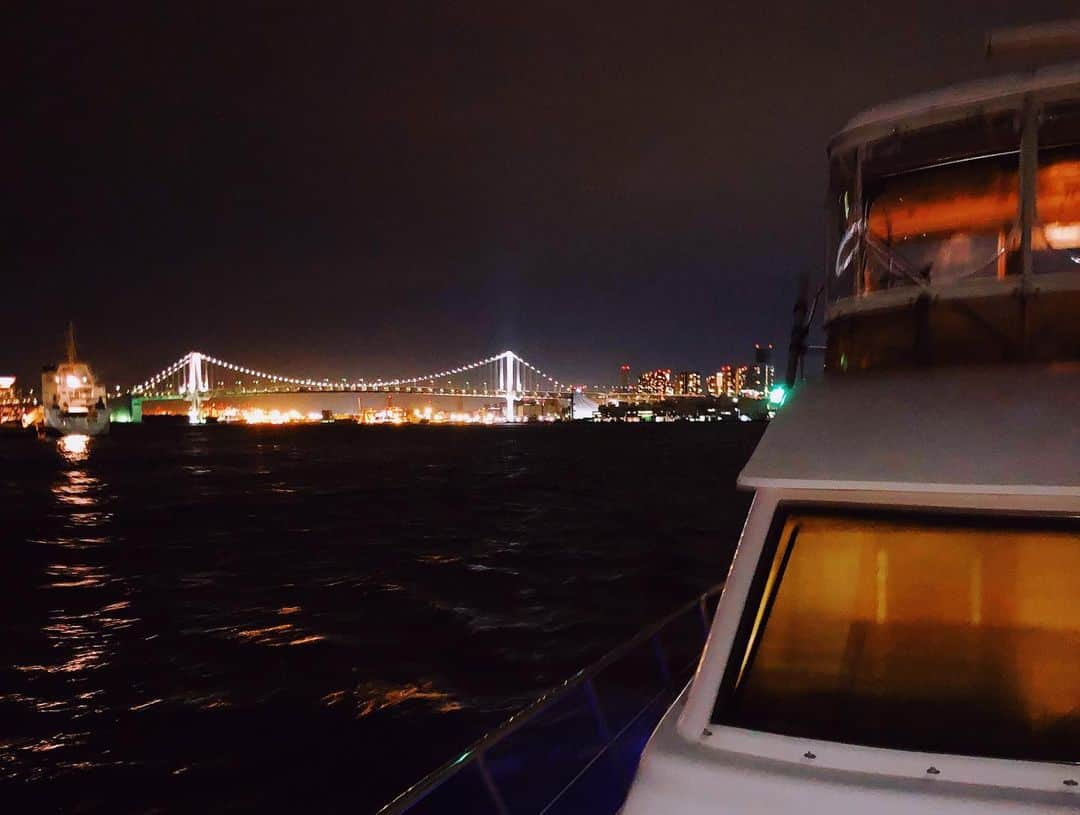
{"type": "Point", "coordinates": [73, 401]}
{"type": "Point", "coordinates": [899, 631]}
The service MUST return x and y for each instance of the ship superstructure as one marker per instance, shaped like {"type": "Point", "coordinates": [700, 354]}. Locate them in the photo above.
{"type": "Point", "coordinates": [899, 632]}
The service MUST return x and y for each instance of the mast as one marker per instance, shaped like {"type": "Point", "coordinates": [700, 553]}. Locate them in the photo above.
{"type": "Point", "coordinates": [71, 343]}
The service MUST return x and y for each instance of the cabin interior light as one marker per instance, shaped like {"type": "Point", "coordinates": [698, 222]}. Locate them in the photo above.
{"type": "Point", "coordinates": [1062, 236]}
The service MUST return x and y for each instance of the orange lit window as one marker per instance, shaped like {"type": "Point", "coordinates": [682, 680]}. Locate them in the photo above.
{"type": "Point", "coordinates": [934, 633]}
{"type": "Point", "coordinates": [941, 225]}
{"type": "Point", "coordinates": [974, 198]}
{"type": "Point", "coordinates": [950, 223]}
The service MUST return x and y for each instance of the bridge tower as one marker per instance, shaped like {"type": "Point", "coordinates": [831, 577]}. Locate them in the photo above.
{"type": "Point", "coordinates": [510, 381]}
{"type": "Point", "coordinates": [194, 386]}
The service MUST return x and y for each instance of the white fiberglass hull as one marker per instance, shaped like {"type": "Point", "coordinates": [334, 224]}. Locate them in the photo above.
{"type": "Point", "coordinates": [94, 423]}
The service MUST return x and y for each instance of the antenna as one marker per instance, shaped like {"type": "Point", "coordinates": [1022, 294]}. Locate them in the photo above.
{"type": "Point", "coordinates": [1039, 43]}
{"type": "Point", "coordinates": [800, 327]}
{"type": "Point", "coordinates": [802, 319]}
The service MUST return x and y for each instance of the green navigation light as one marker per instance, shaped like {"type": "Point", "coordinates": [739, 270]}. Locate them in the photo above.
{"type": "Point", "coordinates": [777, 395]}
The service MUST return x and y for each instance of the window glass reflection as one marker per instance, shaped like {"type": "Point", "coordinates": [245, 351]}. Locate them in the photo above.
{"type": "Point", "coordinates": [943, 225]}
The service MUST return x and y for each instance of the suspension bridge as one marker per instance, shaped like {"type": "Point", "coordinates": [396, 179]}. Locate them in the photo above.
{"type": "Point", "coordinates": [196, 378]}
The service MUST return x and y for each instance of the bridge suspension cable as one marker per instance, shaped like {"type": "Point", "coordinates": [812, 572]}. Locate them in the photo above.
{"type": "Point", "coordinates": [163, 374]}
{"type": "Point", "coordinates": [508, 370]}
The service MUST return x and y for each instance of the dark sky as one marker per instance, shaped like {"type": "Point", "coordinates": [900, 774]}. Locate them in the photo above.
{"type": "Point", "coordinates": [384, 189]}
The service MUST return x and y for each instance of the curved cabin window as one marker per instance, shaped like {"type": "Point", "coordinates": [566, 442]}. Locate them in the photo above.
{"type": "Point", "coordinates": [842, 226]}
{"type": "Point", "coordinates": [943, 225]}
{"type": "Point", "coordinates": [943, 634]}
{"type": "Point", "coordinates": [936, 206]}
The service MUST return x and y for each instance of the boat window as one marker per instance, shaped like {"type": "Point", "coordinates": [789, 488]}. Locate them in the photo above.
{"type": "Point", "coordinates": [939, 205]}
{"type": "Point", "coordinates": [943, 225]}
{"type": "Point", "coordinates": [1055, 236]}
{"type": "Point", "coordinates": [924, 632]}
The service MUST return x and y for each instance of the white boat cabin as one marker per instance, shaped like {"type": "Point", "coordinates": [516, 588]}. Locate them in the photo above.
{"type": "Point", "coordinates": [900, 629]}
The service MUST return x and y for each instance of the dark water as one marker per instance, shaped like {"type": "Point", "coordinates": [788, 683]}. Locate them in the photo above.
{"type": "Point", "coordinates": [310, 618]}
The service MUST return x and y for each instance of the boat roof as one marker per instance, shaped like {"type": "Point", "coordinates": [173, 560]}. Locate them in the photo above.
{"type": "Point", "coordinates": [1001, 429]}
{"type": "Point", "coordinates": [961, 98]}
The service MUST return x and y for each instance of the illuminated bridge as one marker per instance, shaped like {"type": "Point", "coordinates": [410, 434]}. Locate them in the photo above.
{"type": "Point", "coordinates": [196, 378]}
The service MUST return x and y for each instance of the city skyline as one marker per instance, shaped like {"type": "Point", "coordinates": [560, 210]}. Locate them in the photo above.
{"type": "Point", "coordinates": [28, 380]}
{"type": "Point", "coordinates": [734, 378]}
{"type": "Point", "coordinates": [357, 192]}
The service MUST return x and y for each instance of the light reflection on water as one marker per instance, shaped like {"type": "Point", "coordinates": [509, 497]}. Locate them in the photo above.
{"type": "Point", "coordinates": [74, 447]}
{"type": "Point", "coordinates": [76, 489]}
{"type": "Point", "coordinates": [371, 697]}
{"type": "Point", "coordinates": [86, 611]}
{"type": "Point", "coordinates": [76, 576]}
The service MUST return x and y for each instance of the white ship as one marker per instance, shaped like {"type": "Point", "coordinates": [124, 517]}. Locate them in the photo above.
{"type": "Point", "coordinates": [73, 402]}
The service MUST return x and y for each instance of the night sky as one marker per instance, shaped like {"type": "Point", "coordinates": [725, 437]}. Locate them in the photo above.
{"type": "Point", "coordinates": [384, 189]}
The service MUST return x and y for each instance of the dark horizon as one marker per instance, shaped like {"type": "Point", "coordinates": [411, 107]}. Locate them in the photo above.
{"type": "Point", "coordinates": [383, 192]}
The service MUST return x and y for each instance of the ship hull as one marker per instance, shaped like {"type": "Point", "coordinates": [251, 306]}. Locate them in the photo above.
{"type": "Point", "coordinates": [94, 423]}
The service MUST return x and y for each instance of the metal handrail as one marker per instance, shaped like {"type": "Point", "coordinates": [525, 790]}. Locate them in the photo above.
{"type": "Point", "coordinates": [475, 753]}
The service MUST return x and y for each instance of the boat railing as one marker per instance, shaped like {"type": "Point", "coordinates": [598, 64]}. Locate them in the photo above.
{"type": "Point", "coordinates": [576, 747]}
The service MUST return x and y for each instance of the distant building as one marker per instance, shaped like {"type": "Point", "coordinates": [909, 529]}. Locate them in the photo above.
{"type": "Point", "coordinates": [657, 383]}
{"type": "Point", "coordinates": [582, 407]}
{"type": "Point", "coordinates": [12, 405]}
{"type": "Point", "coordinates": [624, 378]}
{"type": "Point", "coordinates": [728, 386]}
{"type": "Point", "coordinates": [740, 377]}
{"type": "Point", "coordinates": [714, 384]}
{"type": "Point", "coordinates": [687, 383]}
{"type": "Point", "coordinates": [761, 375]}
